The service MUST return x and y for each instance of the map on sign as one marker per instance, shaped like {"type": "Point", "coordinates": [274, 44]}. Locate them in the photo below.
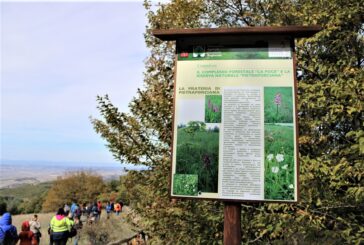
{"type": "Point", "coordinates": [234, 123]}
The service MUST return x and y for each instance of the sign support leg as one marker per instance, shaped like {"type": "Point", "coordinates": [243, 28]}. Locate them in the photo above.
{"type": "Point", "coordinates": [232, 223]}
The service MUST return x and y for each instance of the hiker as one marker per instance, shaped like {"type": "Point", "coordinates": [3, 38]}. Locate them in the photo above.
{"type": "Point", "coordinates": [108, 210]}
{"type": "Point", "coordinates": [78, 226]}
{"type": "Point", "coordinates": [8, 232]}
{"type": "Point", "coordinates": [60, 227]}
{"type": "Point", "coordinates": [112, 206]}
{"type": "Point", "coordinates": [88, 209]}
{"type": "Point", "coordinates": [73, 209]}
{"type": "Point", "coordinates": [78, 212]}
{"type": "Point", "coordinates": [26, 236]}
{"type": "Point", "coordinates": [137, 240]}
{"type": "Point", "coordinates": [66, 208]}
{"type": "Point", "coordinates": [84, 214]}
{"type": "Point", "coordinates": [99, 208]}
{"type": "Point", "coordinates": [117, 208]}
{"type": "Point", "coordinates": [121, 206]}
{"type": "Point", "coordinates": [35, 228]}
{"type": "Point", "coordinates": [95, 211]}
{"type": "Point", "coordinates": [94, 214]}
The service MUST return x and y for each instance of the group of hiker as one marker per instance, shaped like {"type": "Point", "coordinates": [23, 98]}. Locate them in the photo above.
{"type": "Point", "coordinates": [64, 225]}
{"type": "Point", "coordinates": [91, 212]}
{"type": "Point", "coordinates": [29, 235]}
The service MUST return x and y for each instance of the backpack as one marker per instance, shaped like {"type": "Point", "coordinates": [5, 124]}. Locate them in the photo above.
{"type": "Point", "coordinates": [7, 238]}
{"type": "Point", "coordinates": [72, 232]}
{"type": "Point", "coordinates": [2, 235]}
{"type": "Point", "coordinates": [78, 212]}
{"type": "Point", "coordinates": [94, 210]}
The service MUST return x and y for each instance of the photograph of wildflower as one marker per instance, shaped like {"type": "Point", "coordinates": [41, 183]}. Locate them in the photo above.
{"type": "Point", "coordinates": [278, 105]}
{"type": "Point", "coordinates": [185, 184]}
{"type": "Point", "coordinates": [197, 154]}
{"type": "Point", "coordinates": [213, 108]}
{"type": "Point", "coordinates": [279, 169]}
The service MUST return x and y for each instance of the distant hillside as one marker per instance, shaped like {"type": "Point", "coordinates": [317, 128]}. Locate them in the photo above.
{"type": "Point", "coordinates": [24, 198]}
{"type": "Point", "coordinates": [26, 191]}
{"type": "Point", "coordinates": [18, 172]}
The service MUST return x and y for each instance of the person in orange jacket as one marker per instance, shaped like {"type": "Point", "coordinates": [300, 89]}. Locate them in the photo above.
{"type": "Point", "coordinates": [117, 208]}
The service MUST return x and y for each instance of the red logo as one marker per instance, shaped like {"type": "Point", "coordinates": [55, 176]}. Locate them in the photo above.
{"type": "Point", "coordinates": [184, 54]}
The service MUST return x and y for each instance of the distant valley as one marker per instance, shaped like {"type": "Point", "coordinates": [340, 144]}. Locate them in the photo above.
{"type": "Point", "coordinates": [16, 172]}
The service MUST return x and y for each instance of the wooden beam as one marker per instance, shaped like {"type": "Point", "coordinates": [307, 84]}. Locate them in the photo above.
{"type": "Point", "coordinates": [293, 31]}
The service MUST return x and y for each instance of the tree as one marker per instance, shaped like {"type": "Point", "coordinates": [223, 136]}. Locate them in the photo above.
{"type": "Point", "coordinates": [3, 206]}
{"type": "Point", "coordinates": [330, 69]}
{"type": "Point", "coordinates": [80, 187]}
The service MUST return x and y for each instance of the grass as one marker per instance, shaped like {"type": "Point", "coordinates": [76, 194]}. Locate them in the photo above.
{"type": "Point", "coordinates": [197, 154]}
{"type": "Point", "coordinates": [279, 162]}
{"type": "Point", "coordinates": [185, 184]}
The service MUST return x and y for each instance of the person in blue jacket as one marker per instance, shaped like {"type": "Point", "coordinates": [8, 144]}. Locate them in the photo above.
{"type": "Point", "coordinates": [73, 209]}
{"type": "Point", "coordinates": [8, 232]}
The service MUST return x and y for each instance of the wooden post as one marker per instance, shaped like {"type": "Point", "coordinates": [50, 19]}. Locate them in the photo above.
{"type": "Point", "coordinates": [232, 223]}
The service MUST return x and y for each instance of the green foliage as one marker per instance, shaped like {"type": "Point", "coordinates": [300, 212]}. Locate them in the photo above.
{"type": "Point", "coordinates": [330, 90]}
{"type": "Point", "coordinates": [3, 206]}
{"type": "Point", "coordinates": [80, 187]}
{"type": "Point", "coordinates": [115, 191]}
{"type": "Point", "coordinates": [26, 198]}
{"type": "Point", "coordinates": [194, 127]}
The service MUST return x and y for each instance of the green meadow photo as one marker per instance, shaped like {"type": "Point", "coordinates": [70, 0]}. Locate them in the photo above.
{"type": "Point", "coordinates": [279, 170]}
{"type": "Point", "coordinates": [213, 108]}
{"type": "Point", "coordinates": [185, 184]}
{"type": "Point", "coordinates": [278, 105]}
{"type": "Point", "coordinates": [198, 154]}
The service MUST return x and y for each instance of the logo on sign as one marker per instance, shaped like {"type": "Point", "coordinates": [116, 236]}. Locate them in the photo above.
{"type": "Point", "coordinates": [199, 52]}
{"type": "Point", "coordinates": [184, 54]}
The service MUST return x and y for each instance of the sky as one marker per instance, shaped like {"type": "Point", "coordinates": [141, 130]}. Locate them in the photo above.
{"type": "Point", "coordinates": [56, 57]}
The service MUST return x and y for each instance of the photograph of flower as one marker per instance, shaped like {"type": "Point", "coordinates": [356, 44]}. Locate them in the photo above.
{"type": "Point", "coordinates": [197, 154]}
{"type": "Point", "coordinates": [213, 108]}
{"type": "Point", "coordinates": [279, 163]}
{"type": "Point", "coordinates": [185, 184]}
{"type": "Point", "coordinates": [278, 105]}
{"type": "Point", "coordinates": [279, 169]}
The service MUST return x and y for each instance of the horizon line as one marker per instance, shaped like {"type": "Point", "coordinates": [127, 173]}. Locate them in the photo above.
{"type": "Point", "coordinates": [61, 161]}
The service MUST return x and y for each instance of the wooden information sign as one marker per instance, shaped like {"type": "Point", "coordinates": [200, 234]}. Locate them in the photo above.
{"type": "Point", "coordinates": [234, 127]}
